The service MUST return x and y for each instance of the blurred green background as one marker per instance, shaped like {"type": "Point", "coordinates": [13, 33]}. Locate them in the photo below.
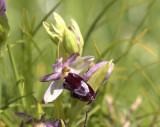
{"type": "Point", "coordinates": [136, 73]}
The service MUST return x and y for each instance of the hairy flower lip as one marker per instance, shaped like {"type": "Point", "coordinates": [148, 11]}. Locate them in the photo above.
{"type": "Point", "coordinates": [79, 88]}
{"type": "Point", "coordinates": [72, 65]}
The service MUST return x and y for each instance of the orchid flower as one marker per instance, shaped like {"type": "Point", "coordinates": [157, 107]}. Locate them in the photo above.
{"type": "Point", "coordinates": [71, 65]}
{"type": "Point", "coordinates": [2, 7]}
{"type": "Point", "coordinates": [78, 86]}
{"type": "Point", "coordinates": [42, 122]}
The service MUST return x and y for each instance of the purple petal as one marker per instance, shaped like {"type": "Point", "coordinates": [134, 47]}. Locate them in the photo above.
{"type": "Point", "coordinates": [80, 64]}
{"type": "Point", "coordinates": [2, 7]}
{"type": "Point", "coordinates": [28, 119]}
{"type": "Point", "coordinates": [23, 115]}
{"type": "Point", "coordinates": [58, 65]}
{"type": "Point", "coordinates": [70, 60]}
{"type": "Point", "coordinates": [47, 78]}
{"type": "Point", "coordinates": [53, 91]}
{"type": "Point", "coordinates": [92, 70]}
{"type": "Point", "coordinates": [43, 117]}
{"type": "Point", "coordinates": [50, 120]}
{"type": "Point", "coordinates": [78, 87]}
{"type": "Point", "coordinates": [56, 123]}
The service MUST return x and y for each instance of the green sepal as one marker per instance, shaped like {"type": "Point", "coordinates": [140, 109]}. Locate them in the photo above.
{"type": "Point", "coordinates": [54, 37]}
{"type": "Point", "coordinates": [59, 22]}
{"type": "Point", "coordinates": [70, 42]}
{"type": "Point", "coordinates": [76, 31]}
{"type": "Point", "coordinates": [98, 77]}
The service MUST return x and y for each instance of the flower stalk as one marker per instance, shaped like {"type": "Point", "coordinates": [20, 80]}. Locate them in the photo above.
{"type": "Point", "coordinates": [58, 108]}
{"type": "Point", "coordinates": [16, 75]}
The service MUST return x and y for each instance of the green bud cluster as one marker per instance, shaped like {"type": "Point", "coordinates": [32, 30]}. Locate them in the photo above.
{"type": "Point", "coordinates": [68, 39]}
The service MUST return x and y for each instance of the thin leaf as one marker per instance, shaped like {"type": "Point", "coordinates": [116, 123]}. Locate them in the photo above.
{"type": "Point", "coordinates": [156, 89]}
{"type": "Point", "coordinates": [13, 101]}
{"type": "Point", "coordinates": [97, 51]}
{"type": "Point", "coordinates": [135, 32]}
{"type": "Point", "coordinates": [46, 16]}
{"type": "Point", "coordinates": [119, 23]}
{"type": "Point", "coordinates": [93, 25]}
{"type": "Point", "coordinates": [116, 12]}
{"type": "Point", "coordinates": [148, 98]}
{"type": "Point", "coordinates": [93, 111]}
{"type": "Point", "coordinates": [34, 43]}
{"type": "Point", "coordinates": [33, 23]}
{"type": "Point", "coordinates": [143, 67]}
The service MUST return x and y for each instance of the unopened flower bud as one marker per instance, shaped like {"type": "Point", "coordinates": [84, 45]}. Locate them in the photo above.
{"type": "Point", "coordinates": [69, 39]}
{"type": "Point", "coordinates": [59, 23]}
{"type": "Point", "coordinates": [55, 31]}
{"type": "Point", "coordinates": [54, 37]}
{"type": "Point", "coordinates": [70, 42]}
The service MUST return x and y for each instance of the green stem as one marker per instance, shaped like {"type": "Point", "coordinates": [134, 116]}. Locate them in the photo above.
{"type": "Point", "coordinates": [93, 111]}
{"type": "Point", "coordinates": [13, 62]}
{"type": "Point", "coordinates": [46, 16]}
{"type": "Point", "coordinates": [15, 72]}
{"type": "Point", "coordinates": [58, 108]}
{"type": "Point", "coordinates": [1, 60]}
{"type": "Point", "coordinates": [75, 110]}
{"type": "Point", "coordinates": [35, 44]}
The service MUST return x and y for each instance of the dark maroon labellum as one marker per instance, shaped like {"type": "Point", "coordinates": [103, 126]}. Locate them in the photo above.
{"type": "Point", "coordinates": [79, 88]}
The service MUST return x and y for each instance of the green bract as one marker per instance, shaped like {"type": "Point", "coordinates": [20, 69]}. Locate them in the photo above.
{"type": "Point", "coordinates": [69, 40]}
